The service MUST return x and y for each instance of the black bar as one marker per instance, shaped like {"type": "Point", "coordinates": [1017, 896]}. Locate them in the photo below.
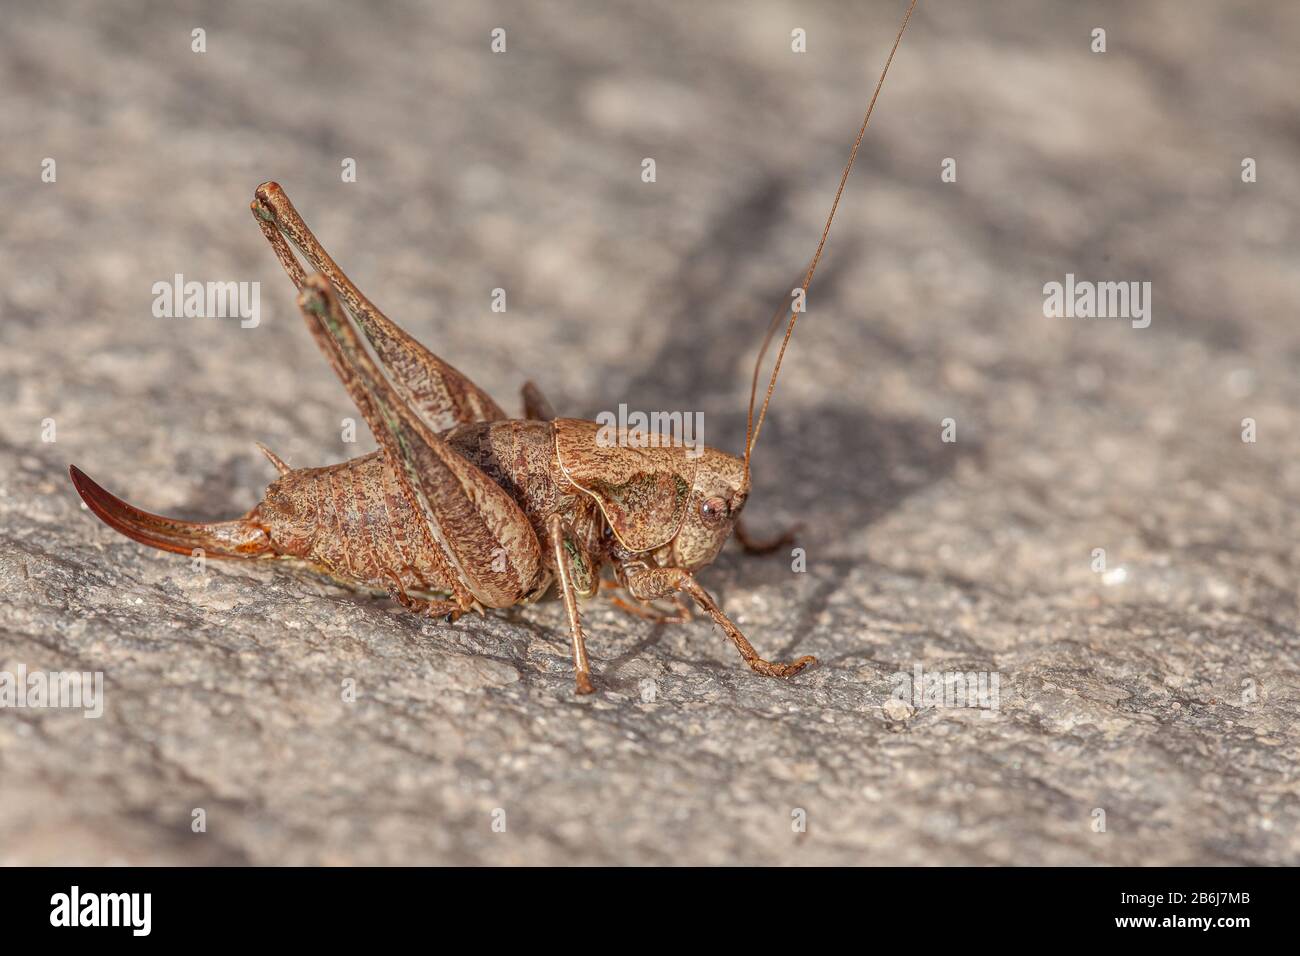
{"type": "Point", "coordinates": [332, 906]}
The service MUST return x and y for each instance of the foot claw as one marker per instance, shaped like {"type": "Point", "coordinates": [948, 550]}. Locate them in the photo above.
{"type": "Point", "coordinates": [793, 668]}
{"type": "Point", "coordinates": [770, 669]}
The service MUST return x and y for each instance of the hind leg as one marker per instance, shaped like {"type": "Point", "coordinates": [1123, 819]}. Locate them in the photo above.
{"type": "Point", "coordinates": [449, 611]}
{"type": "Point", "coordinates": [443, 396]}
{"type": "Point", "coordinates": [465, 523]}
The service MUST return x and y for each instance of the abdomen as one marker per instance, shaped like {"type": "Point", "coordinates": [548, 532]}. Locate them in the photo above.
{"type": "Point", "coordinates": [353, 521]}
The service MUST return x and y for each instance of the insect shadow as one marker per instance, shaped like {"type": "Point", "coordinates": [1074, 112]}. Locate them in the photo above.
{"type": "Point", "coordinates": [834, 468]}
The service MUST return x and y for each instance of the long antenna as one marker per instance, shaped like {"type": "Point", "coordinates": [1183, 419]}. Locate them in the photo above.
{"type": "Point", "coordinates": [751, 430]}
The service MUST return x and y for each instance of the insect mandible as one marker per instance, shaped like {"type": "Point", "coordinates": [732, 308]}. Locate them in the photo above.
{"type": "Point", "coordinates": [464, 508]}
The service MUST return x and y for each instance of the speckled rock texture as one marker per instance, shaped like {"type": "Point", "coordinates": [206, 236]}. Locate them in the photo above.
{"type": "Point", "coordinates": [1146, 697]}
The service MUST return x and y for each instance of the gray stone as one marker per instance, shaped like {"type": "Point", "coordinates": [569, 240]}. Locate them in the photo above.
{"type": "Point", "coordinates": [1158, 695]}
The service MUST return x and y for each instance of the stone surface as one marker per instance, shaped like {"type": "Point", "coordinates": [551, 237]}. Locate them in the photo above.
{"type": "Point", "coordinates": [1161, 692]}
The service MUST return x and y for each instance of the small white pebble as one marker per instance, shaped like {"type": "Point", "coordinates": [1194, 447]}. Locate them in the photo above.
{"type": "Point", "coordinates": [896, 709]}
{"type": "Point", "coordinates": [1114, 576]}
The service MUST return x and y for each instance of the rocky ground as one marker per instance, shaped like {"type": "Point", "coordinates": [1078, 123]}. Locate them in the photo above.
{"type": "Point", "coordinates": [1146, 693]}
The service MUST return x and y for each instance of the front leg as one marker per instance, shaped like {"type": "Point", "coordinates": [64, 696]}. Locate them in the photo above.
{"type": "Point", "coordinates": [647, 584]}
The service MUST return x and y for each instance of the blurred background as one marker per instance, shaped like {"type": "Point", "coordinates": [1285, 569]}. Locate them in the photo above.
{"type": "Point", "coordinates": [1159, 687]}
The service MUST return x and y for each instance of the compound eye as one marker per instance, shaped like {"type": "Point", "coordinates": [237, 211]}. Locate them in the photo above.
{"type": "Point", "coordinates": [712, 511]}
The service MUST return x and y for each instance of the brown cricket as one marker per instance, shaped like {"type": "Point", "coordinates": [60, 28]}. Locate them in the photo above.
{"type": "Point", "coordinates": [464, 508]}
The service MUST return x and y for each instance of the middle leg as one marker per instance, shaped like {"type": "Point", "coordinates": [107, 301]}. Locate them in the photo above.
{"type": "Point", "coordinates": [680, 615]}
{"type": "Point", "coordinates": [573, 574]}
